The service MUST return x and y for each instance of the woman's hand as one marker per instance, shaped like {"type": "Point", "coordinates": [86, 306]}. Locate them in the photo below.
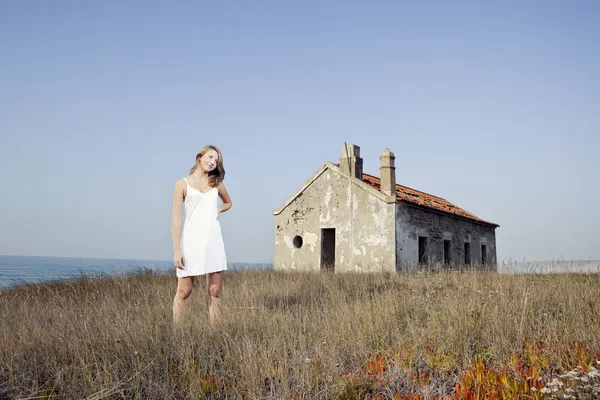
{"type": "Point", "coordinates": [178, 259]}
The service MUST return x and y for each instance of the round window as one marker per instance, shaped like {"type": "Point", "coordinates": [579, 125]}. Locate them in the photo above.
{"type": "Point", "coordinates": [297, 241]}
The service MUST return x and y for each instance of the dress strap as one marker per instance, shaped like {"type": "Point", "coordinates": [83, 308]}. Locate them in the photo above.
{"type": "Point", "coordinates": [186, 181]}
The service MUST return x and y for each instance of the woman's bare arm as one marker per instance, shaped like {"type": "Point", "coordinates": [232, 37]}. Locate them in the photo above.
{"type": "Point", "coordinates": [224, 197]}
{"type": "Point", "coordinates": [178, 195]}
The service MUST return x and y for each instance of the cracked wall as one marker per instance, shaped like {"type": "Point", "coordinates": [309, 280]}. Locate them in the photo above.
{"type": "Point", "coordinates": [364, 227]}
{"type": "Point", "coordinates": [413, 222]}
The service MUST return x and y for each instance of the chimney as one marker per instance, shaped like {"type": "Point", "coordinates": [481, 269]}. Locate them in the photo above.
{"type": "Point", "coordinates": [350, 161]}
{"type": "Point", "coordinates": [387, 171]}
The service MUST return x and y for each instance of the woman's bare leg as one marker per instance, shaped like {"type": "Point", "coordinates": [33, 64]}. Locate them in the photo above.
{"type": "Point", "coordinates": [181, 300]}
{"type": "Point", "coordinates": [214, 290]}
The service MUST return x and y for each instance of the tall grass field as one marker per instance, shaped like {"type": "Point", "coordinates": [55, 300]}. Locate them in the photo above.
{"type": "Point", "coordinates": [294, 335]}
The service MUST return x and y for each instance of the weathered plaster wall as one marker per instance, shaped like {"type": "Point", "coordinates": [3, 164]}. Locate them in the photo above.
{"type": "Point", "coordinates": [412, 222]}
{"type": "Point", "coordinates": [365, 238]}
{"type": "Point", "coordinates": [374, 233]}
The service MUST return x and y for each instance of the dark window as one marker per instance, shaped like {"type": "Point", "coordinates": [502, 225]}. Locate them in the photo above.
{"type": "Point", "coordinates": [422, 250]}
{"type": "Point", "coordinates": [467, 253]}
{"type": "Point", "coordinates": [446, 252]}
{"type": "Point", "coordinates": [297, 241]}
{"type": "Point", "coordinates": [483, 254]}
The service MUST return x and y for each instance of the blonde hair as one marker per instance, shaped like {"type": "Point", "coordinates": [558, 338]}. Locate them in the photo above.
{"type": "Point", "coordinates": [215, 176]}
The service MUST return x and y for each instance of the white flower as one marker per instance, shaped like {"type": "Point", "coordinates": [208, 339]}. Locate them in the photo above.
{"type": "Point", "coordinates": [544, 390]}
{"type": "Point", "coordinates": [555, 382]}
{"type": "Point", "coordinates": [570, 374]}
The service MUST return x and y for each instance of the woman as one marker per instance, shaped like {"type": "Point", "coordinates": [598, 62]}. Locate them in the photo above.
{"type": "Point", "coordinates": [199, 250]}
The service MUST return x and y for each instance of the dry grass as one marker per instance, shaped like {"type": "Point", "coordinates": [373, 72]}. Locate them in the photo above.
{"type": "Point", "coordinates": [283, 335]}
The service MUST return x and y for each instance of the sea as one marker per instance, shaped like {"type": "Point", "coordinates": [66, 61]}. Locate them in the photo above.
{"type": "Point", "coordinates": [581, 266]}
{"type": "Point", "coordinates": [15, 270]}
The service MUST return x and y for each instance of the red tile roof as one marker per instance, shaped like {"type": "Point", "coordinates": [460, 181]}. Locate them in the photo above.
{"type": "Point", "coordinates": [423, 199]}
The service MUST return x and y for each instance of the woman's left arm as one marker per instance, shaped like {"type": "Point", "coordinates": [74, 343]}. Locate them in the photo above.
{"type": "Point", "coordinates": [225, 197]}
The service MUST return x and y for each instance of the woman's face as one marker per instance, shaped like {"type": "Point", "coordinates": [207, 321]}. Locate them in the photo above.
{"type": "Point", "coordinates": [209, 160]}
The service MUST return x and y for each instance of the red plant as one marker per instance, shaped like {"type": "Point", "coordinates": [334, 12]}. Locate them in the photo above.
{"type": "Point", "coordinates": [210, 383]}
{"type": "Point", "coordinates": [529, 374]}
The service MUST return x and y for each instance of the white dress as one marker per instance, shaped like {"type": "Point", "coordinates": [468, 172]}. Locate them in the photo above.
{"type": "Point", "coordinates": [201, 240]}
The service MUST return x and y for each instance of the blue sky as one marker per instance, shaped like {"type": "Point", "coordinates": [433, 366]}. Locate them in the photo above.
{"type": "Point", "coordinates": [103, 106]}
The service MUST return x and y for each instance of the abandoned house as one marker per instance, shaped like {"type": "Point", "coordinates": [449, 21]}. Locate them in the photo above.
{"type": "Point", "coordinates": [342, 219]}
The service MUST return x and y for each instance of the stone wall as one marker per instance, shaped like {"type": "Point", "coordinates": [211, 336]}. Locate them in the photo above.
{"type": "Point", "coordinates": [435, 228]}
{"type": "Point", "coordinates": [364, 227]}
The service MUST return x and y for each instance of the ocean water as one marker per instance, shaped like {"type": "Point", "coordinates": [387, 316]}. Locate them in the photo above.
{"type": "Point", "coordinates": [24, 269]}
{"type": "Point", "coordinates": [21, 269]}
{"type": "Point", "coordinates": [550, 267]}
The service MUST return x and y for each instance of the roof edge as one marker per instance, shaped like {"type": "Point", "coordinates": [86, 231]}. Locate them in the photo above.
{"type": "Point", "coordinates": [301, 189]}
{"type": "Point", "coordinates": [451, 215]}
{"type": "Point", "coordinates": [335, 168]}
{"type": "Point", "coordinates": [473, 219]}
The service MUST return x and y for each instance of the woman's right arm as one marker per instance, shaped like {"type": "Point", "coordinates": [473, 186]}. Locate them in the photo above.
{"type": "Point", "coordinates": [176, 223]}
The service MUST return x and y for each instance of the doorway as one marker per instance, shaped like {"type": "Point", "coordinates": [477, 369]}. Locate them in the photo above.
{"type": "Point", "coordinates": [328, 249]}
